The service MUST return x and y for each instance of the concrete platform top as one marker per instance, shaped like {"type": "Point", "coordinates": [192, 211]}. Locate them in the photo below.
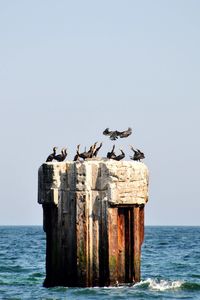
{"type": "Point", "coordinates": [118, 182]}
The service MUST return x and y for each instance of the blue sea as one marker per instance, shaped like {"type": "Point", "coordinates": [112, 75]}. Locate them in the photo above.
{"type": "Point", "coordinates": [170, 267]}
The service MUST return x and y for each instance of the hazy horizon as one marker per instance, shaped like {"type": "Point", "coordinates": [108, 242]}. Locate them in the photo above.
{"type": "Point", "coordinates": [70, 69]}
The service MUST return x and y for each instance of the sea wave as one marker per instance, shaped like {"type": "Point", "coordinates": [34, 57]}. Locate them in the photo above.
{"type": "Point", "coordinates": [191, 286]}
{"type": "Point", "coordinates": [160, 284]}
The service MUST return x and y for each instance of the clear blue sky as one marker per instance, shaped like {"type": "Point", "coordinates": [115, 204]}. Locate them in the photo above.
{"type": "Point", "coordinates": [69, 69]}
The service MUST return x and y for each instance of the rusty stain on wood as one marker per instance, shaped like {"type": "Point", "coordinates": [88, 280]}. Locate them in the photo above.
{"type": "Point", "coordinates": [141, 224]}
{"type": "Point", "coordinates": [121, 245]}
{"type": "Point", "coordinates": [107, 243]}
{"type": "Point", "coordinates": [137, 244]}
{"type": "Point", "coordinates": [90, 241]}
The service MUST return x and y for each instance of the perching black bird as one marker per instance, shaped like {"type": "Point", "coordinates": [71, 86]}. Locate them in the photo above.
{"type": "Point", "coordinates": [61, 157]}
{"type": "Point", "coordinates": [96, 150]}
{"type": "Point", "coordinates": [76, 157]}
{"type": "Point", "coordinates": [64, 153]}
{"type": "Point", "coordinates": [52, 155]}
{"type": "Point", "coordinates": [115, 134]}
{"type": "Point", "coordinates": [93, 149]}
{"type": "Point", "coordinates": [87, 154]}
{"type": "Point", "coordinates": [120, 156]}
{"type": "Point", "coordinates": [111, 155]}
{"type": "Point", "coordinates": [138, 155]}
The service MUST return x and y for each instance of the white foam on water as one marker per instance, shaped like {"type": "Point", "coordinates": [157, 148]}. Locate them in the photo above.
{"type": "Point", "coordinates": [161, 285]}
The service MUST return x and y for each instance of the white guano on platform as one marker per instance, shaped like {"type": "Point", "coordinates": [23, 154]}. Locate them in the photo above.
{"type": "Point", "coordinates": [118, 182]}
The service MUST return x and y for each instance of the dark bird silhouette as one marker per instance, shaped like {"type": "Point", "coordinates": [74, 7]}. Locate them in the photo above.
{"type": "Point", "coordinates": [76, 157]}
{"type": "Point", "coordinates": [111, 154]}
{"type": "Point", "coordinates": [64, 153]}
{"type": "Point", "coordinates": [125, 133]}
{"type": "Point", "coordinates": [115, 134]}
{"type": "Point", "coordinates": [138, 155]}
{"type": "Point", "coordinates": [52, 155]}
{"type": "Point", "coordinates": [120, 156]}
{"type": "Point", "coordinates": [87, 154]}
{"type": "Point", "coordinates": [61, 157]}
{"type": "Point", "coordinates": [112, 134]}
{"type": "Point", "coordinates": [106, 131]}
{"type": "Point", "coordinates": [96, 150]}
{"type": "Point", "coordinates": [93, 149]}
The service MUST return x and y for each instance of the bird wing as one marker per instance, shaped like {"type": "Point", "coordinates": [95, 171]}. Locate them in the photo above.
{"type": "Point", "coordinates": [140, 152]}
{"type": "Point", "coordinates": [132, 149]}
{"type": "Point", "coordinates": [125, 133]}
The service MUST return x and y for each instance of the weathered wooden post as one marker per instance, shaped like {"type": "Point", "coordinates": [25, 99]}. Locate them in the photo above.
{"type": "Point", "coordinates": [94, 221]}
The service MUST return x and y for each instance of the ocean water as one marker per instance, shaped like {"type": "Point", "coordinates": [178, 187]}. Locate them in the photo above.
{"type": "Point", "coordinates": [170, 267]}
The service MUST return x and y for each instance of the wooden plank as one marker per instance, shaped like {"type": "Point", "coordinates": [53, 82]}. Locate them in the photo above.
{"type": "Point", "coordinates": [141, 224]}
{"type": "Point", "coordinates": [121, 246]}
{"type": "Point", "coordinates": [128, 248]}
{"type": "Point", "coordinates": [113, 245]}
{"type": "Point", "coordinates": [69, 238]}
{"type": "Point", "coordinates": [131, 220]}
{"type": "Point", "coordinates": [52, 249]}
{"type": "Point", "coordinates": [95, 244]}
{"type": "Point", "coordinates": [137, 243]}
{"type": "Point", "coordinates": [90, 240]}
{"type": "Point", "coordinates": [103, 246]}
{"type": "Point", "coordinates": [82, 239]}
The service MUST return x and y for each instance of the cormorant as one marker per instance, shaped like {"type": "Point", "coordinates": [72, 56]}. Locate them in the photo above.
{"type": "Point", "coordinates": [138, 155]}
{"type": "Point", "coordinates": [93, 149]}
{"type": "Point", "coordinates": [112, 134]}
{"type": "Point", "coordinates": [52, 155]}
{"type": "Point", "coordinates": [96, 150]}
{"type": "Point", "coordinates": [115, 134]}
{"type": "Point", "coordinates": [62, 155]}
{"type": "Point", "coordinates": [76, 157]}
{"type": "Point", "coordinates": [87, 154]}
{"type": "Point", "coordinates": [112, 153]}
{"type": "Point", "coordinates": [120, 156]}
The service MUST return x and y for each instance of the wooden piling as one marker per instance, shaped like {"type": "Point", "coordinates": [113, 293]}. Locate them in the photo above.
{"type": "Point", "coordinates": [94, 221]}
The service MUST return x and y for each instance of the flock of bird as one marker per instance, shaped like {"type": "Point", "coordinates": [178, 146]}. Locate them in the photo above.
{"type": "Point", "coordinates": [94, 149]}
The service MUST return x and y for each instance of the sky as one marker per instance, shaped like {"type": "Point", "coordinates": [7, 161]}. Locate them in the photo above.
{"type": "Point", "coordinates": [69, 69]}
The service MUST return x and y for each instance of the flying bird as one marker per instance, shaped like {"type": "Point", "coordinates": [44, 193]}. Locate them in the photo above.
{"type": "Point", "coordinates": [112, 134]}
{"type": "Point", "coordinates": [125, 133]}
{"type": "Point", "coordinates": [52, 155]}
{"type": "Point", "coordinates": [115, 134]}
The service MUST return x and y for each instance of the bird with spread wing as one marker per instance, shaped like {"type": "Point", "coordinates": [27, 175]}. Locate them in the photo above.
{"type": "Point", "coordinates": [113, 135]}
